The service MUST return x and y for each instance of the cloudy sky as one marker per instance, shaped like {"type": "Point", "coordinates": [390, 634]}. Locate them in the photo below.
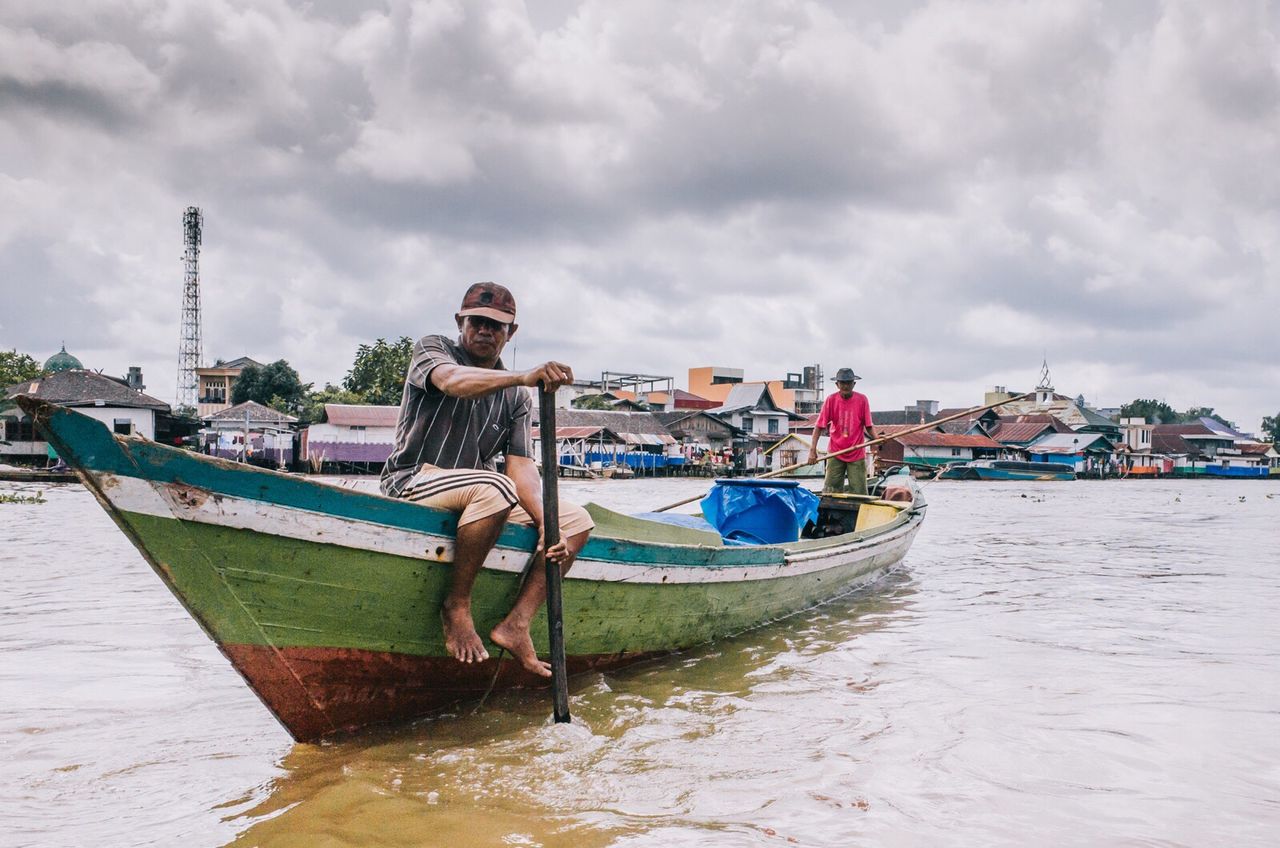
{"type": "Point", "coordinates": [938, 194]}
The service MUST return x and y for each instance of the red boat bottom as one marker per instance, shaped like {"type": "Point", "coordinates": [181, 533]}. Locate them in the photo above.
{"type": "Point", "coordinates": [315, 692]}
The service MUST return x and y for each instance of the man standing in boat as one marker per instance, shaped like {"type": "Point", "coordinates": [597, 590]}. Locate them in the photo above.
{"type": "Point", "coordinates": [460, 409]}
{"type": "Point", "coordinates": [846, 417]}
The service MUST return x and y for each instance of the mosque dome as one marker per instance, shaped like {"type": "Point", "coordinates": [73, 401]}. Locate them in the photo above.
{"type": "Point", "coordinates": [62, 361]}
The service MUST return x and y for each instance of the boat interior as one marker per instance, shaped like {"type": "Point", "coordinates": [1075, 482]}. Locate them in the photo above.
{"type": "Point", "coordinates": [841, 519]}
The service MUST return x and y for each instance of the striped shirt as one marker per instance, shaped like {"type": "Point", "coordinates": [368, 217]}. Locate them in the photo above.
{"type": "Point", "coordinates": [449, 432]}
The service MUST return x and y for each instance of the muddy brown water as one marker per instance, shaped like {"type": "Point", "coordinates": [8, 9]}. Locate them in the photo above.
{"type": "Point", "coordinates": [1056, 663]}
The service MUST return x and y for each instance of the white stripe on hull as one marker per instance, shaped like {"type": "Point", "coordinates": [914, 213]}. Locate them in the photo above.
{"type": "Point", "coordinates": [185, 503]}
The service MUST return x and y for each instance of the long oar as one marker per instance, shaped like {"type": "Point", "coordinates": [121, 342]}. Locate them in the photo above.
{"type": "Point", "coordinates": [550, 537]}
{"type": "Point", "coordinates": [865, 444]}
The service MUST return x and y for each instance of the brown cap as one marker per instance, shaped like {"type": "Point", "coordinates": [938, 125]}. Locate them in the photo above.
{"type": "Point", "coordinates": [489, 300]}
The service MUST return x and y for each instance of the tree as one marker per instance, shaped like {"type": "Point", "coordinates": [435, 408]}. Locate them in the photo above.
{"type": "Point", "coordinates": [1195, 413]}
{"type": "Point", "coordinates": [1151, 411]}
{"type": "Point", "coordinates": [17, 368]}
{"type": "Point", "coordinates": [1271, 428]}
{"type": "Point", "coordinates": [276, 385]}
{"type": "Point", "coordinates": [313, 406]}
{"type": "Point", "coordinates": [379, 370]}
{"type": "Point", "coordinates": [592, 402]}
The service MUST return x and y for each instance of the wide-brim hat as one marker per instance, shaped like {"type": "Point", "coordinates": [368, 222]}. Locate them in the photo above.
{"type": "Point", "coordinates": [489, 300]}
{"type": "Point", "coordinates": [846, 375]}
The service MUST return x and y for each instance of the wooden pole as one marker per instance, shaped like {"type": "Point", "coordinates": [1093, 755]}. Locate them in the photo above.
{"type": "Point", "coordinates": [550, 537]}
{"type": "Point", "coordinates": [865, 444]}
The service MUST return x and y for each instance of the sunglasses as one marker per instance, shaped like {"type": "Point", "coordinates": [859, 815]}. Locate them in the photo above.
{"type": "Point", "coordinates": [482, 323]}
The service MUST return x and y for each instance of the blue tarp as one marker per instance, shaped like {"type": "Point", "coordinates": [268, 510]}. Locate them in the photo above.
{"type": "Point", "coordinates": [635, 459]}
{"type": "Point", "coordinates": [760, 511]}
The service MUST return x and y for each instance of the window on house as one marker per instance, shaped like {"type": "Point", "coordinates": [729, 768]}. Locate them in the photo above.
{"type": "Point", "coordinates": [359, 427]}
{"type": "Point", "coordinates": [123, 426]}
{"type": "Point", "coordinates": [773, 425]}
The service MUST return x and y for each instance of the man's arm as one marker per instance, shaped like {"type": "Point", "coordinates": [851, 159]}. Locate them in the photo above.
{"type": "Point", "coordinates": [465, 381]}
{"type": "Point", "coordinates": [524, 473]}
{"type": "Point", "coordinates": [813, 446]}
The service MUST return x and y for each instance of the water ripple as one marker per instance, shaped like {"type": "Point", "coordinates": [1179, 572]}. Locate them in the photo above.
{"type": "Point", "coordinates": [1091, 664]}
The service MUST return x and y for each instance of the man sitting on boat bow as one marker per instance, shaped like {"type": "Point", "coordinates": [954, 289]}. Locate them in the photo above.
{"type": "Point", "coordinates": [460, 409]}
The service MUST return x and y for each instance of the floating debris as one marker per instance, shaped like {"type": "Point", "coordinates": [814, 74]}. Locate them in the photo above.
{"type": "Point", "coordinates": [37, 498]}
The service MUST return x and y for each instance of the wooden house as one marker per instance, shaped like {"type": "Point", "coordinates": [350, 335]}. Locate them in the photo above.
{"type": "Point", "coordinates": [793, 449]}
{"type": "Point", "coordinates": [751, 408]}
{"type": "Point", "coordinates": [250, 432]}
{"type": "Point", "coordinates": [1082, 451]}
{"type": "Point", "coordinates": [931, 447]}
{"type": "Point", "coordinates": [359, 436]}
{"type": "Point", "coordinates": [1015, 436]}
{"type": "Point", "coordinates": [699, 430]}
{"type": "Point", "coordinates": [597, 438]}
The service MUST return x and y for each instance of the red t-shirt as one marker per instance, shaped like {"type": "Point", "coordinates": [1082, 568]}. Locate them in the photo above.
{"type": "Point", "coordinates": [846, 420]}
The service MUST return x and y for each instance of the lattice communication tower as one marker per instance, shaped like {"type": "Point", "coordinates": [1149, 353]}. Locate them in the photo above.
{"type": "Point", "coordinates": [189, 353]}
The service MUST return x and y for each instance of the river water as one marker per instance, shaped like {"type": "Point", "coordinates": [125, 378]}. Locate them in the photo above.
{"type": "Point", "coordinates": [1088, 663]}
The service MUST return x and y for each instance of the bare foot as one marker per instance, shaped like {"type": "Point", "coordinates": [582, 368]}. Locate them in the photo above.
{"type": "Point", "coordinates": [516, 640]}
{"type": "Point", "coordinates": [460, 636]}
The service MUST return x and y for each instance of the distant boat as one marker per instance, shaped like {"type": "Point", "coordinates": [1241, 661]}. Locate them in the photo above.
{"type": "Point", "coordinates": [1008, 469]}
{"type": "Point", "coordinates": [327, 600]}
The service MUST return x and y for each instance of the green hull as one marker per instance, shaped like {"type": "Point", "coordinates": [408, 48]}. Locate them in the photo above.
{"type": "Point", "coordinates": [326, 600]}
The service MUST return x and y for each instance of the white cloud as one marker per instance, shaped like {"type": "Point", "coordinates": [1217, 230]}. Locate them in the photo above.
{"type": "Point", "coordinates": [936, 193]}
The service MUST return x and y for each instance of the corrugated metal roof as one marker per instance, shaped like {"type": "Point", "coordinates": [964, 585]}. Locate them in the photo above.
{"type": "Point", "coordinates": [1066, 442]}
{"type": "Point", "coordinates": [1010, 433]}
{"type": "Point", "coordinates": [577, 432]}
{"type": "Point", "coordinates": [1170, 443]}
{"type": "Point", "coordinates": [1184, 430]}
{"type": "Point", "coordinates": [257, 412]}
{"type": "Point", "coordinates": [743, 396]}
{"type": "Point", "coordinates": [1096, 419]}
{"type": "Point", "coordinates": [892, 429]}
{"type": "Point", "coordinates": [651, 439]}
{"type": "Point", "coordinates": [633, 428]}
{"type": "Point", "coordinates": [361, 415]}
{"type": "Point", "coordinates": [901, 416]}
{"type": "Point", "coordinates": [934, 439]}
{"type": "Point", "coordinates": [617, 421]}
{"type": "Point", "coordinates": [85, 388]}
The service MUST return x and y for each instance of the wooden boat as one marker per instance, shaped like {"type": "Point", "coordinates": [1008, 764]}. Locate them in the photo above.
{"type": "Point", "coordinates": [1006, 469]}
{"type": "Point", "coordinates": [326, 599]}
